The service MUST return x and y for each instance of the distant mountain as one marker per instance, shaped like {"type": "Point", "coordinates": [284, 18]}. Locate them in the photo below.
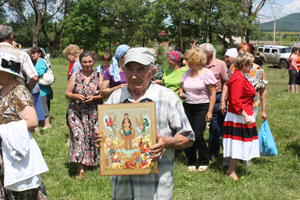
{"type": "Point", "coordinates": [289, 23]}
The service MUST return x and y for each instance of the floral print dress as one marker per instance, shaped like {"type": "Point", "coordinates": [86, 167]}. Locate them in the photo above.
{"type": "Point", "coordinates": [11, 104]}
{"type": "Point", "coordinates": [82, 118]}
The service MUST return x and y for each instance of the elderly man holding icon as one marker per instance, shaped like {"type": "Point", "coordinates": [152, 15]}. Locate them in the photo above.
{"type": "Point", "coordinates": [173, 128]}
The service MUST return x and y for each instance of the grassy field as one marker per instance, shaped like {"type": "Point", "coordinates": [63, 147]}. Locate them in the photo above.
{"type": "Point", "coordinates": [267, 177]}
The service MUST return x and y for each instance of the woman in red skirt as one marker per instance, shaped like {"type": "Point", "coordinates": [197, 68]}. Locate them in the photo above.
{"type": "Point", "coordinates": [240, 140]}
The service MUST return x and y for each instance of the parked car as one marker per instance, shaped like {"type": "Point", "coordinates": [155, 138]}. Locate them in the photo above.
{"type": "Point", "coordinates": [275, 55]}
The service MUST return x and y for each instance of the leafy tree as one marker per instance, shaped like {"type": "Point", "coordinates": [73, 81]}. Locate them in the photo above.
{"type": "Point", "coordinates": [153, 26]}
{"type": "Point", "coordinates": [285, 36]}
{"type": "Point", "coordinates": [135, 20]}
{"type": "Point", "coordinates": [210, 18]}
{"type": "Point", "coordinates": [175, 9]}
{"type": "Point", "coordinates": [84, 25]}
{"type": "Point", "coordinates": [53, 30]}
{"type": "Point", "coordinates": [254, 33]}
{"type": "Point", "coordinates": [40, 8]}
{"type": "Point", "coordinates": [22, 34]}
{"type": "Point", "coordinates": [250, 18]}
{"type": "Point", "coordinates": [2, 12]}
{"type": "Point", "coordinates": [98, 25]}
{"type": "Point", "coordinates": [230, 20]}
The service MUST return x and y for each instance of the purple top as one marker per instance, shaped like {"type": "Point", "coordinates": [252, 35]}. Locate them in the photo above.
{"type": "Point", "coordinates": [112, 82]}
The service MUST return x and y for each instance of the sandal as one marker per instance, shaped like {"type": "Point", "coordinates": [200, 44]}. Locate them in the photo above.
{"type": "Point", "coordinates": [192, 168]}
{"type": "Point", "coordinates": [80, 175]}
{"type": "Point", "coordinates": [203, 168]}
{"type": "Point", "coordinates": [46, 127]}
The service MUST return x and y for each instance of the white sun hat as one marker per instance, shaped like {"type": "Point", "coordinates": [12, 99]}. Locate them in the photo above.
{"type": "Point", "coordinates": [9, 64]}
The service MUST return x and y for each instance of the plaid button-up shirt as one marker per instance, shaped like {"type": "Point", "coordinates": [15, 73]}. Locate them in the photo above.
{"type": "Point", "coordinates": [171, 120]}
{"type": "Point", "coordinates": [219, 69]}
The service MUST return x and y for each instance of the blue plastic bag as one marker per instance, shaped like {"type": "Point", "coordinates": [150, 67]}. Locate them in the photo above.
{"type": "Point", "coordinates": [267, 144]}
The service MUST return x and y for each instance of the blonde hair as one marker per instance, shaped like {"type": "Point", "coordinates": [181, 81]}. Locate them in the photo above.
{"type": "Point", "coordinates": [195, 56]}
{"type": "Point", "coordinates": [16, 45]}
{"type": "Point", "coordinates": [72, 49]}
{"type": "Point", "coordinates": [243, 58]}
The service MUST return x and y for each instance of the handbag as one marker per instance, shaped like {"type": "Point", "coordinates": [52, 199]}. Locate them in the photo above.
{"type": "Point", "coordinates": [267, 144]}
{"type": "Point", "coordinates": [47, 78]}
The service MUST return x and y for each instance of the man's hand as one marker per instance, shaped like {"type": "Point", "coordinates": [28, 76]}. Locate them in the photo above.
{"type": "Point", "coordinates": [157, 149]}
{"type": "Point", "coordinates": [263, 116]}
{"type": "Point", "coordinates": [222, 108]}
{"type": "Point", "coordinates": [98, 138]}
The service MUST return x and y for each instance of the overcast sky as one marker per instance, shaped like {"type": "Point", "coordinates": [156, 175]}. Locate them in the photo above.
{"type": "Point", "coordinates": [281, 9]}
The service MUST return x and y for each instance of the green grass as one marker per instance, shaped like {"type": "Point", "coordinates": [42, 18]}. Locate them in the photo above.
{"type": "Point", "coordinates": [267, 177]}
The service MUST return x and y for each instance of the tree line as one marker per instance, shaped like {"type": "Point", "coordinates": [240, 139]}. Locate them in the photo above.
{"type": "Point", "coordinates": [102, 24]}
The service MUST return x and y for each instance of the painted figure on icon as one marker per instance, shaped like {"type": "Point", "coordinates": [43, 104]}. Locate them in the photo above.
{"type": "Point", "coordinates": [127, 132]}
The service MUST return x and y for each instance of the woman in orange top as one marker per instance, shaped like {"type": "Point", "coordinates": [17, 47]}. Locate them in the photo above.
{"type": "Point", "coordinates": [298, 66]}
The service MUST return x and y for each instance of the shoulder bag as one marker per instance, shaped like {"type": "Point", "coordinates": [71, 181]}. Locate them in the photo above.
{"type": "Point", "coordinates": [47, 78]}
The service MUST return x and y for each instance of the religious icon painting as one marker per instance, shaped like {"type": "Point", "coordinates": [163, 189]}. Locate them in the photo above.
{"type": "Point", "coordinates": [129, 131]}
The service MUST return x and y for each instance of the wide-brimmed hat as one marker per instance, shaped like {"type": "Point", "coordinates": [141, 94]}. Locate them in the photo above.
{"type": "Point", "coordinates": [9, 64]}
{"type": "Point", "coordinates": [140, 55]}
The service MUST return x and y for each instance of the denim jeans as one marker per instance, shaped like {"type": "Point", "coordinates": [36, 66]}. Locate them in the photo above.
{"type": "Point", "coordinates": [215, 129]}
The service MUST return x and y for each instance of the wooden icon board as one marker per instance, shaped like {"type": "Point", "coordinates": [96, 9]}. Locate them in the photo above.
{"type": "Point", "coordinates": [129, 131]}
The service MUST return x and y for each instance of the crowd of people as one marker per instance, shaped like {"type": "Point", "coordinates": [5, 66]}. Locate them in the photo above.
{"type": "Point", "coordinates": [206, 89]}
{"type": "Point", "coordinates": [195, 89]}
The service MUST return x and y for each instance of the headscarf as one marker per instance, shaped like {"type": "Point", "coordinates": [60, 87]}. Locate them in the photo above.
{"type": "Point", "coordinates": [176, 56]}
{"type": "Point", "coordinates": [114, 69]}
{"type": "Point", "coordinates": [232, 53]}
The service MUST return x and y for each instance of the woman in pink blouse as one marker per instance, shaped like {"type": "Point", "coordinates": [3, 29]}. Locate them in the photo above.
{"type": "Point", "coordinates": [198, 90]}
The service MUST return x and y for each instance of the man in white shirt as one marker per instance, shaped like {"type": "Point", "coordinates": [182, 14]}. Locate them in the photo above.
{"type": "Point", "coordinates": [27, 68]}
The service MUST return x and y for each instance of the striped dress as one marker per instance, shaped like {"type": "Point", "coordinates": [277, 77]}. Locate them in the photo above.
{"type": "Point", "coordinates": [240, 141]}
